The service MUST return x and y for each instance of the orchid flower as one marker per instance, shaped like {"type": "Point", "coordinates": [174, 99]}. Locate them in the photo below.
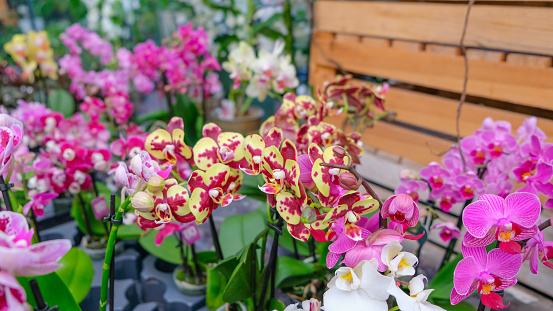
{"type": "Point", "coordinates": [254, 146]}
{"type": "Point", "coordinates": [351, 206]}
{"type": "Point", "coordinates": [281, 171]}
{"type": "Point", "coordinates": [142, 167]}
{"type": "Point", "coordinates": [38, 201]}
{"type": "Point", "coordinates": [469, 185]}
{"type": "Point", "coordinates": [401, 209]}
{"type": "Point", "coordinates": [435, 174]}
{"type": "Point", "coordinates": [12, 294]}
{"type": "Point", "coordinates": [11, 133]}
{"type": "Point", "coordinates": [399, 263]}
{"type": "Point", "coordinates": [487, 272]}
{"type": "Point", "coordinates": [166, 145]}
{"type": "Point", "coordinates": [449, 231]}
{"type": "Point", "coordinates": [127, 147]}
{"type": "Point", "coordinates": [358, 289]}
{"type": "Point", "coordinates": [18, 256]}
{"type": "Point", "coordinates": [302, 219]}
{"type": "Point", "coordinates": [219, 147]}
{"type": "Point", "coordinates": [416, 300]}
{"type": "Point", "coordinates": [306, 305]}
{"type": "Point", "coordinates": [371, 248]}
{"type": "Point", "coordinates": [324, 176]}
{"type": "Point", "coordinates": [412, 188]}
{"type": "Point", "coordinates": [494, 218]}
{"type": "Point", "coordinates": [537, 250]}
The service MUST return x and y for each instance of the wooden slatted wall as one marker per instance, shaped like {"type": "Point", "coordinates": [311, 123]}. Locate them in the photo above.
{"type": "Point", "coordinates": [510, 49]}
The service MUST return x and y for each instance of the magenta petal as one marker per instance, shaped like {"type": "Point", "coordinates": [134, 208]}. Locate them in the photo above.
{"type": "Point", "coordinates": [479, 217]}
{"type": "Point", "coordinates": [332, 259]}
{"type": "Point", "coordinates": [478, 253]}
{"type": "Point", "coordinates": [502, 264]}
{"type": "Point", "coordinates": [472, 241]}
{"type": "Point", "coordinates": [342, 245]}
{"type": "Point", "coordinates": [506, 283]}
{"type": "Point", "coordinates": [494, 301]}
{"type": "Point", "coordinates": [526, 233]}
{"type": "Point", "coordinates": [544, 172]}
{"type": "Point", "coordinates": [522, 208]}
{"type": "Point", "coordinates": [497, 204]}
{"type": "Point", "coordinates": [464, 275]}
{"type": "Point", "coordinates": [456, 297]}
{"type": "Point", "coordinates": [510, 247]}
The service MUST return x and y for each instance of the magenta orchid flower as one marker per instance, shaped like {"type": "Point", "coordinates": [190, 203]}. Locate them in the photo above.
{"type": "Point", "coordinates": [446, 196]}
{"type": "Point", "coordinates": [537, 250]}
{"type": "Point", "coordinates": [18, 256]}
{"type": "Point", "coordinates": [412, 188]}
{"type": "Point", "coordinates": [401, 209]}
{"type": "Point", "coordinates": [166, 231]}
{"type": "Point", "coordinates": [12, 294]}
{"type": "Point", "coordinates": [494, 218]}
{"type": "Point", "coordinates": [528, 128]}
{"type": "Point", "coordinates": [536, 176]}
{"type": "Point", "coordinates": [449, 231]}
{"type": "Point", "coordinates": [496, 137]}
{"type": "Point", "coordinates": [371, 247]}
{"type": "Point", "coordinates": [469, 185]}
{"type": "Point", "coordinates": [487, 272]}
{"type": "Point", "coordinates": [11, 133]}
{"type": "Point", "coordinates": [38, 202]}
{"type": "Point", "coordinates": [351, 206]}
{"type": "Point", "coordinates": [435, 174]}
{"type": "Point", "coordinates": [127, 147]}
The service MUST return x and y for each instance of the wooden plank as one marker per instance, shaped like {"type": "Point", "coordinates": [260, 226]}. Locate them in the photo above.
{"type": "Point", "coordinates": [370, 41]}
{"type": "Point", "coordinates": [415, 146]}
{"type": "Point", "coordinates": [525, 85]}
{"type": "Point", "coordinates": [529, 60]}
{"type": "Point", "coordinates": [443, 49]}
{"type": "Point", "coordinates": [408, 45]}
{"type": "Point", "coordinates": [511, 28]}
{"type": "Point", "coordinates": [492, 56]}
{"type": "Point", "coordinates": [438, 114]}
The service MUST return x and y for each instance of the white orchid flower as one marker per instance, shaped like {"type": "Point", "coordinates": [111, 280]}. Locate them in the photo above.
{"type": "Point", "coordinates": [239, 64]}
{"type": "Point", "coordinates": [285, 76]}
{"type": "Point", "coordinates": [359, 289]}
{"type": "Point", "coordinates": [416, 300]}
{"type": "Point", "coordinates": [307, 305]}
{"type": "Point", "coordinates": [399, 263]}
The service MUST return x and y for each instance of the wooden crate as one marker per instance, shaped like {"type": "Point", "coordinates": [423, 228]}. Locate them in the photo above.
{"type": "Point", "coordinates": [509, 47]}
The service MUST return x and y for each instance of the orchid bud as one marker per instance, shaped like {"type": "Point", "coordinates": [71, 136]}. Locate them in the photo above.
{"type": "Point", "coordinates": [136, 165]}
{"type": "Point", "coordinates": [339, 152]}
{"type": "Point", "coordinates": [308, 215]}
{"type": "Point", "coordinates": [156, 183]}
{"type": "Point", "coordinates": [142, 202]}
{"type": "Point", "coordinates": [348, 181]}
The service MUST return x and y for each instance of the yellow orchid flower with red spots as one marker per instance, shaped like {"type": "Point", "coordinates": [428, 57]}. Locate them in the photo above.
{"type": "Point", "coordinates": [254, 146]}
{"type": "Point", "coordinates": [168, 145]}
{"type": "Point", "coordinates": [216, 186]}
{"type": "Point", "coordinates": [219, 147]}
{"type": "Point", "coordinates": [170, 203]}
{"type": "Point", "coordinates": [352, 206]}
{"type": "Point", "coordinates": [31, 50]}
{"type": "Point", "coordinates": [302, 219]}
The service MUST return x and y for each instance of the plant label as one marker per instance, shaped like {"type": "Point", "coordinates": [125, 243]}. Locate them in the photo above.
{"type": "Point", "coordinates": [190, 233]}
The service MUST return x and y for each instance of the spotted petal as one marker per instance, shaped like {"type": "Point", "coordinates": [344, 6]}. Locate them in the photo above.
{"type": "Point", "coordinates": [272, 159]}
{"type": "Point", "coordinates": [364, 207]}
{"type": "Point", "coordinates": [178, 199]}
{"type": "Point", "coordinates": [289, 207]}
{"type": "Point", "coordinates": [273, 137]}
{"type": "Point", "coordinates": [201, 205]}
{"type": "Point", "coordinates": [180, 147]}
{"type": "Point", "coordinates": [253, 147]}
{"type": "Point", "coordinates": [314, 152]}
{"type": "Point", "coordinates": [321, 177]}
{"type": "Point", "coordinates": [270, 188]}
{"type": "Point", "coordinates": [216, 176]}
{"type": "Point", "coordinates": [227, 199]}
{"type": "Point", "coordinates": [292, 171]}
{"type": "Point", "coordinates": [156, 143]}
{"type": "Point", "coordinates": [206, 153]}
{"type": "Point", "coordinates": [289, 151]}
{"type": "Point", "coordinates": [211, 130]}
{"type": "Point", "coordinates": [353, 232]}
{"type": "Point", "coordinates": [233, 142]}
{"type": "Point", "coordinates": [299, 231]}
{"type": "Point", "coordinates": [330, 157]}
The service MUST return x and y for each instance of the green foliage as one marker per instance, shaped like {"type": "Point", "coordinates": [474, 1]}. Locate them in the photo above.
{"type": "Point", "coordinates": [250, 187]}
{"type": "Point", "coordinates": [217, 279]}
{"type": "Point", "coordinates": [53, 289]}
{"type": "Point", "coordinates": [96, 225]}
{"type": "Point", "coordinates": [239, 286]}
{"type": "Point", "coordinates": [129, 232]}
{"type": "Point", "coordinates": [61, 101]}
{"type": "Point", "coordinates": [275, 304]}
{"type": "Point", "coordinates": [76, 272]}
{"type": "Point", "coordinates": [238, 231]}
{"type": "Point", "coordinates": [442, 283]}
{"type": "Point", "coordinates": [188, 111]}
{"type": "Point", "coordinates": [293, 272]}
{"type": "Point", "coordinates": [168, 250]}
{"type": "Point", "coordinates": [287, 241]}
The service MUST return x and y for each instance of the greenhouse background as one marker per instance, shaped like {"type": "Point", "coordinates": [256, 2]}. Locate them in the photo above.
{"type": "Point", "coordinates": [276, 155]}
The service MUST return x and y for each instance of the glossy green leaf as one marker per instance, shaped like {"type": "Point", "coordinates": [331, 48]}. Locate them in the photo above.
{"type": "Point", "coordinates": [168, 250]}
{"type": "Point", "coordinates": [207, 257]}
{"type": "Point", "coordinates": [442, 283]}
{"type": "Point", "coordinates": [153, 116]}
{"type": "Point", "coordinates": [275, 304]}
{"type": "Point", "coordinates": [239, 286]}
{"type": "Point", "coordinates": [61, 101]}
{"type": "Point", "coordinates": [462, 306]}
{"type": "Point", "coordinates": [250, 187]}
{"type": "Point", "coordinates": [129, 232]}
{"type": "Point", "coordinates": [217, 279]}
{"type": "Point", "coordinates": [188, 111]}
{"type": "Point", "coordinates": [53, 289]}
{"type": "Point", "coordinates": [291, 272]}
{"type": "Point", "coordinates": [266, 24]}
{"type": "Point", "coordinates": [238, 231]}
{"type": "Point", "coordinates": [77, 273]}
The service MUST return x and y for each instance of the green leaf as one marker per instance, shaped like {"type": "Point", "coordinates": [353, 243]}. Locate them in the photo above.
{"type": "Point", "coordinates": [442, 283]}
{"type": "Point", "coordinates": [238, 231]}
{"type": "Point", "coordinates": [217, 279]}
{"type": "Point", "coordinates": [291, 272]}
{"type": "Point", "coordinates": [61, 101]}
{"type": "Point", "coordinates": [188, 111]}
{"type": "Point", "coordinates": [275, 304]}
{"type": "Point", "coordinates": [96, 225]}
{"type": "Point", "coordinates": [153, 116]}
{"type": "Point", "coordinates": [207, 257]}
{"type": "Point", "coordinates": [53, 289]}
{"type": "Point", "coordinates": [271, 34]}
{"type": "Point", "coordinates": [129, 232]}
{"type": "Point", "coordinates": [446, 304]}
{"type": "Point", "coordinates": [239, 286]}
{"type": "Point", "coordinates": [168, 250]}
{"type": "Point", "coordinates": [77, 272]}
{"type": "Point", "coordinates": [250, 187]}
{"type": "Point", "coordinates": [266, 24]}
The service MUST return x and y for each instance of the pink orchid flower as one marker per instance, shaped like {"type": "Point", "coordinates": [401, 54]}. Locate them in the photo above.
{"type": "Point", "coordinates": [435, 174]}
{"type": "Point", "coordinates": [449, 231]}
{"type": "Point", "coordinates": [494, 218]}
{"type": "Point", "coordinates": [537, 250]}
{"type": "Point", "coordinates": [469, 185]}
{"type": "Point", "coordinates": [446, 197]}
{"type": "Point", "coordinates": [142, 167]}
{"type": "Point", "coordinates": [166, 231]}
{"type": "Point", "coordinates": [12, 294]}
{"type": "Point", "coordinates": [18, 256]}
{"type": "Point", "coordinates": [127, 146]}
{"type": "Point", "coordinates": [11, 133]}
{"type": "Point", "coordinates": [487, 272]}
{"type": "Point", "coordinates": [38, 202]}
{"type": "Point", "coordinates": [412, 188]}
{"type": "Point", "coordinates": [528, 128]}
{"type": "Point", "coordinates": [401, 209]}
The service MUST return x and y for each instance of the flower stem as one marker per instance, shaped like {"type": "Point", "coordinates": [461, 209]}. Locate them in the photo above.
{"type": "Point", "coordinates": [246, 105]}
{"type": "Point", "coordinates": [109, 253]}
{"type": "Point", "coordinates": [215, 238]}
{"type": "Point", "coordinates": [270, 266]}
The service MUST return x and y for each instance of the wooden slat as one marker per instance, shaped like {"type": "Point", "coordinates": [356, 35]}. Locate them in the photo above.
{"type": "Point", "coordinates": [512, 28]}
{"type": "Point", "coordinates": [525, 85]}
{"type": "Point", "coordinates": [438, 114]}
{"type": "Point", "coordinates": [415, 146]}
{"type": "Point", "coordinates": [529, 60]}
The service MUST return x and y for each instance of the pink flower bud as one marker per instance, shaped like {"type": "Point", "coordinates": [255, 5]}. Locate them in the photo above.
{"type": "Point", "coordinates": [156, 184]}
{"type": "Point", "coordinates": [348, 181]}
{"type": "Point", "coordinates": [142, 202]}
{"type": "Point", "coordinates": [339, 151]}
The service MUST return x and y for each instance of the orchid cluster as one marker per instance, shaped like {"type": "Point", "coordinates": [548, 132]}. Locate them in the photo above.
{"type": "Point", "coordinates": [18, 257]}
{"type": "Point", "coordinates": [268, 73]}
{"type": "Point", "coordinates": [32, 51]}
{"type": "Point", "coordinates": [183, 64]}
{"type": "Point", "coordinates": [489, 165]}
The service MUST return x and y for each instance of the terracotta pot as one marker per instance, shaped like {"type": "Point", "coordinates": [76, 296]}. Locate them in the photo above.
{"type": "Point", "coordinates": [246, 125]}
{"type": "Point", "coordinates": [186, 288]}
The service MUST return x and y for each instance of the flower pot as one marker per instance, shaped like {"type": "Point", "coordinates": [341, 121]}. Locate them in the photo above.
{"type": "Point", "coordinates": [99, 253]}
{"type": "Point", "coordinates": [241, 307]}
{"type": "Point", "coordinates": [247, 124]}
{"type": "Point", "coordinates": [186, 288]}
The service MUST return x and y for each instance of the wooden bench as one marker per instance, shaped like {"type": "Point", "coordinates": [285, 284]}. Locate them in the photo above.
{"type": "Point", "coordinates": [416, 44]}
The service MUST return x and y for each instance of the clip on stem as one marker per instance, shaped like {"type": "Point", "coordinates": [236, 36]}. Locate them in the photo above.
{"type": "Point", "coordinates": [41, 305]}
{"type": "Point", "coordinates": [4, 187]}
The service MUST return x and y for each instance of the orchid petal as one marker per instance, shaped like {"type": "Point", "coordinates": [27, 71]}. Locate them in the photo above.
{"type": "Point", "coordinates": [156, 142]}
{"type": "Point", "coordinates": [206, 153]}
{"type": "Point", "coordinates": [522, 209]}
{"type": "Point", "coordinates": [289, 207]}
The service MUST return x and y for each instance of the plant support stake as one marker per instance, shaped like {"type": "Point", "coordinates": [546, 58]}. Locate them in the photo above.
{"type": "Point", "coordinates": [215, 238]}
{"type": "Point", "coordinates": [41, 305]}
{"type": "Point", "coordinates": [4, 187]}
